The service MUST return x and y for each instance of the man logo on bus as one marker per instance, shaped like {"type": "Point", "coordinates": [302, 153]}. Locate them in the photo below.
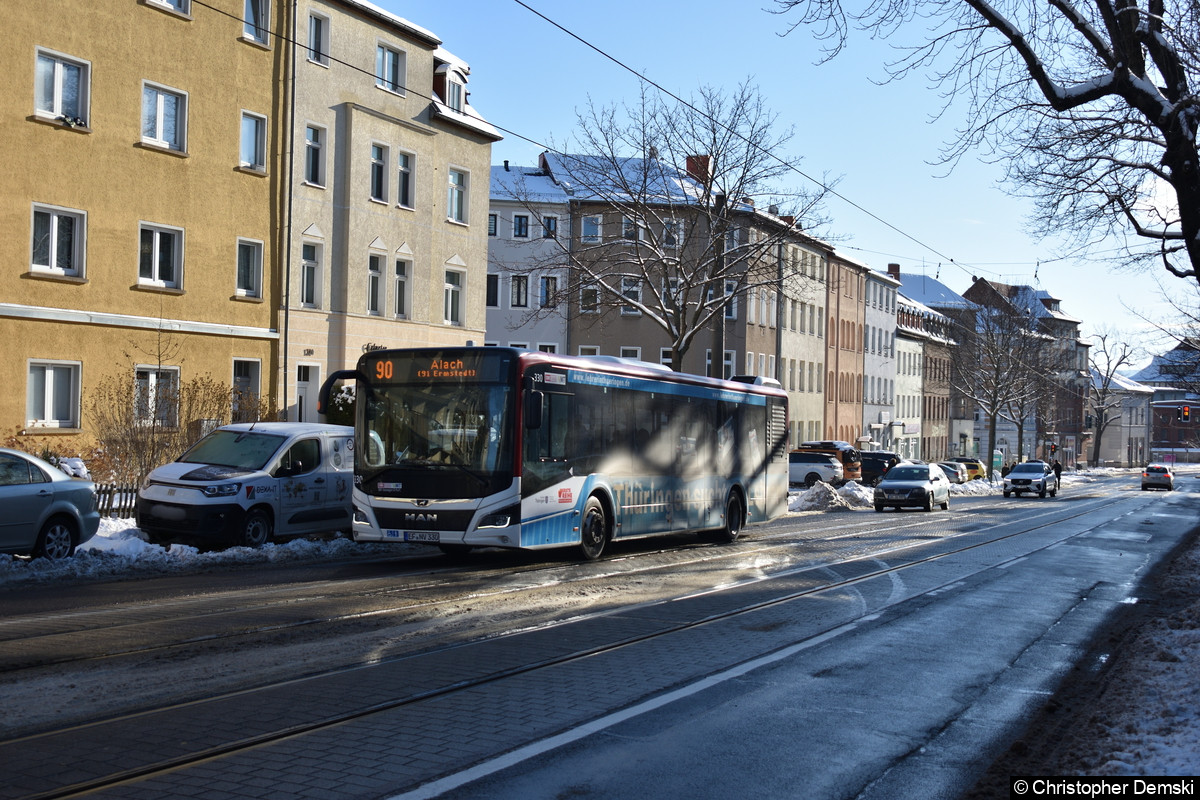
{"type": "Point", "coordinates": [564, 496]}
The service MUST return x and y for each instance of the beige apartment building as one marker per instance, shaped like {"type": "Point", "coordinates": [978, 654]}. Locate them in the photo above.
{"type": "Point", "coordinates": [387, 242]}
{"type": "Point", "coordinates": [142, 195]}
{"type": "Point", "coordinates": [846, 310]}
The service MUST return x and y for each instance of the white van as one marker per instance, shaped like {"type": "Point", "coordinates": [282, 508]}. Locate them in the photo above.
{"type": "Point", "coordinates": [250, 482]}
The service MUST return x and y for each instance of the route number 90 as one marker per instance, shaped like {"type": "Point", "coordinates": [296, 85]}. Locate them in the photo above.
{"type": "Point", "coordinates": [383, 370]}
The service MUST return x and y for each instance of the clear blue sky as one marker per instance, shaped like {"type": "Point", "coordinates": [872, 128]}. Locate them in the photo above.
{"type": "Point", "coordinates": [529, 77]}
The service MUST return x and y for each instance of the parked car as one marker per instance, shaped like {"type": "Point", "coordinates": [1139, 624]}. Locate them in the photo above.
{"type": "Point", "coordinates": [1033, 477]}
{"type": "Point", "coordinates": [975, 468]}
{"type": "Point", "coordinates": [956, 471]}
{"type": "Point", "coordinates": [808, 468]}
{"type": "Point", "coordinates": [46, 513]}
{"type": "Point", "coordinates": [875, 463]}
{"type": "Point", "coordinates": [913, 485]}
{"type": "Point", "coordinates": [1158, 476]}
{"type": "Point", "coordinates": [251, 482]}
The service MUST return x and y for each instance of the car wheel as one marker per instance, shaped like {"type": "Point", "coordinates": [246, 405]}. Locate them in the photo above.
{"type": "Point", "coordinates": [946, 504]}
{"type": "Point", "coordinates": [256, 530]}
{"type": "Point", "coordinates": [1007, 493]}
{"type": "Point", "coordinates": [878, 508]}
{"type": "Point", "coordinates": [929, 502]}
{"type": "Point", "coordinates": [56, 540]}
{"type": "Point", "coordinates": [593, 530]}
{"type": "Point", "coordinates": [811, 478]}
{"type": "Point", "coordinates": [1042, 493]}
{"type": "Point", "coordinates": [733, 519]}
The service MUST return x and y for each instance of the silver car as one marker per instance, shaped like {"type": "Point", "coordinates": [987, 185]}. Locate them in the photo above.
{"type": "Point", "coordinates": [1032, 477]}
{"type": "Point", "coordinates": [46, 513]}
{"type": "Point", "coordinates": [914, 486]}
{"type": "Point", "coordinates": [955, 471]}
{"type": "Point", "coordinates": [1158, 476]}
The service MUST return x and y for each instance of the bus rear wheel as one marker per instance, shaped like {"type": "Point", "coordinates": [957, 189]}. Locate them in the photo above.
{"type": "Point", "coordinates": [593, 530]}
{"type": "Point", "coordinates": [733, 519]}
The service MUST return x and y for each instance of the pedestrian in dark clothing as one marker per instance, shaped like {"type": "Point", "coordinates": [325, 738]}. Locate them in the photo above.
{"type": "Point", "coordinates": [1057, 467]}
{"type": "Point", "coordinates": [1007, 468]}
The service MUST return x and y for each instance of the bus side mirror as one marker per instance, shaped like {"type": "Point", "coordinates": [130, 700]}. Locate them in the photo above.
{"type": "Point", "coordinates": [533, 410]}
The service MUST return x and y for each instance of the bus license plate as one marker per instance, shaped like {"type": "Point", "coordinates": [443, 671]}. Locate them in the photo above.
{"type": "Point", "coordinates": [422, 536]}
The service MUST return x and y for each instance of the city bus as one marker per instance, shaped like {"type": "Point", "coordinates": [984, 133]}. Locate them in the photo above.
{"type": "Point", "coordinates": [466, 447]}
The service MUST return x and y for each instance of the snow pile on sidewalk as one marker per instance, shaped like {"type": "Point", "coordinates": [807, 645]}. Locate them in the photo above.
{"type": "Point", "coordinates": [823, 497]}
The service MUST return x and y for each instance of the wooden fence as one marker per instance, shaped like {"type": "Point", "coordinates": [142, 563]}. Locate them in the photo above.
{"type": "Point", "coordinates": [115, 500]}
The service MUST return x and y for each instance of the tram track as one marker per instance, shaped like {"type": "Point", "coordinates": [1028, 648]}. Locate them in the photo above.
{"type": "Point", "coordinates": [980, 538]}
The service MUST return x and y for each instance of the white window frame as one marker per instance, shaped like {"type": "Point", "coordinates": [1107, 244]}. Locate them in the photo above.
{"type": "Point", "coordinates": [318, 39]}
{"type": "Point", "coordinates": [253, 388]}
{"type": "Point", "coordinates": [314, 155]}
{"type": "Point", "coordinates": [78, 246]}
{"type": "Point", "coordinates": [256, 20]}
{"type": "Point", "coordinates": [252, 144]}
{"type": "Point", "coordinates": [631, 288]}
{"type": "Point", "coordinates": [183, 7]}
{"type": "Point", "coordinates": [147, 409]}
{"type": "Point", "coordinates": [664, 356]}
{"type": "Point", "coordinates": [458, 195]}
{"type": "Point", "coordinates": [157, 137]}
{"type": "Point", "coordinates": [254, 248]}
{"type": "Point", "coordinates": [50, 106]}
{"type": "Point", "coordinates": [634, 353]}
{"type": "Point", "coordinates": [378, 175]}
{"type": "Point", "coordinates": [391, 73]}
{"type": "Point", "coordinates": [589, 350]}
{"type": "Point", "coordinates": [44, 417]}
{"type": "Point", "coordinates": [592, 307]}
{"type": "Point", "coordinates": [375, 297]}
{"type": "Point", "coordinates": [401, 277]}
{"type": "Point", "coordinates": [452, 295]}
{"type": "Point", "coordinates": [406, 179]}
{"type": "Point", "coordinates": [520, 229]}
{"type": "Point", "coordinates": [310, 275]}
{"type": "Point", "coordinates": [550, 226]}
{"type": "Point", "coordinates": [595, 222]}
{"type": "Point", "coordinates": [455, 93]}
{"type": "Point", "coordinates": [156, 279]}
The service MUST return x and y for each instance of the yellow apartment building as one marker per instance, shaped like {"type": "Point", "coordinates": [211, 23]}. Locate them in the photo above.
{"type": "Point", "coordinates": [141, 204]}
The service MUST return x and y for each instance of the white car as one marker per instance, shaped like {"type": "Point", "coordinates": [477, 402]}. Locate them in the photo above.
{"type": "Point", "coordinates": [250, 482]}
{"type": "Point", "coordinates": [1033, 477]}
{"type": "Point", "coordinates": [808, 468]}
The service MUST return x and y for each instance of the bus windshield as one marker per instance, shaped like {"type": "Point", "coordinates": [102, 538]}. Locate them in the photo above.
{"type": "Point", "coordinates": [431, 429]}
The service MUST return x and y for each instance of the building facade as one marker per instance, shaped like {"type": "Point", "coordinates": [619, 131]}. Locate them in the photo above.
{"type": "Point", "coordinates": [879, 360]}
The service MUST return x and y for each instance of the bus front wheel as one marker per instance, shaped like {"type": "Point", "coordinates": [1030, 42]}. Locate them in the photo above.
{"type": "Point", "coordinates": [593, 530]}
{"type": "Point", "coordinates": [733, 519]}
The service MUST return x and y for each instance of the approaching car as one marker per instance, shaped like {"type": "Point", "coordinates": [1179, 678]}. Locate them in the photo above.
{"type": "Point", "coordinates": [976, 471]}
{"type": "Point", "coordinates": [1033, 477]}
{"type": "Point", "coordinates": [956, 471]}
{"type": "Point", "coordinates": [46, 513]}
{"type": "Point", "coordinates": [1158, 476]}
{"type": "Point", "coordinates": [250, 482]}
{"type": "Point", "coordinates": [875, 463]}
{"type": "Point", "coordinates": [915, 486]}
{"type": "Point", "coordinates": [808, 468]}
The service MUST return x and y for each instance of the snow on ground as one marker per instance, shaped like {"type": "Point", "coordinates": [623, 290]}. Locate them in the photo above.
{"type": "Point", "coordinates": [1150, 723]}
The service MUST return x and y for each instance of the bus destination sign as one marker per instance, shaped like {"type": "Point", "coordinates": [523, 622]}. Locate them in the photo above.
{"type": "Point", "coordinates": [448, 366]}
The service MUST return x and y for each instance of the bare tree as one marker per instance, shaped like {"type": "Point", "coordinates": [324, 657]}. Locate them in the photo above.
{"type": "Point", "coordinates": [1092, 106]}
{"type": "Point", "coordinates": [1105, 396]}
{"type": "Point", "coordinates": [668, 200]}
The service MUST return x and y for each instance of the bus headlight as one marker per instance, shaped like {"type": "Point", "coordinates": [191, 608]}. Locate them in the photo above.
{"type": "Point", "coordinates": [500, 519]}
{"type": "Point", "coordinates": [361, 516]}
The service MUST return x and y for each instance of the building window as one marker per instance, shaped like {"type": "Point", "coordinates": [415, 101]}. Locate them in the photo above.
{"type": "Point", "coordinates": [632, 229]}
{"type": "Point", "coordinates": [454, 95]}
{"type": "Point", "coordinates": [314, 155]}
{"type": "Point", "coordinates": [631, 288]}
{"type": "Point", "coordinates": [58, 241]}
{"type": "Point", "coordinates": [491, 224]}
{"type": "Point", "coordinates": [493, 290]}
{"type": "Point", "coordinates": [548, 292]}
{"type": "Point", "coordinates": [672, 233]}
{"type": "Point", "coordinates": [634, 353]}
{"type": "Point", "coordinates": [164, 117]}
{"type": "Point", "coordinates": [157, 399]}
{"type": "Point", "coordinates": [52, 395]}
{"type": "Point", "coordinates": [254, 142]}
{"type": "Point", "coordinates": [402, 272]}
{"type": "Point", "coordinates": [61, 91]}
{"type": "Point", "coordinates": [589, 299]}
{"type": "Point", "coordinates": [318, 40]}
{"type": "Point", "coordinates": [389, 69]}
{"type": "Point", "coordinates": [549, 227]}
{"type": "Point", "coordinates": [374, 283]}
{"type": "Point", "coordinates": [453, 299]}
{"type": "Point", "coordinates": [249, 268]}
{"type": "Point", "coordinates": [404, 186]}
{"type": "Point", "coordinates": [589, 350]}
{"type": "Point", "coordinates": [664, 356]}
{"type": "Point", "coordinates": [519, 291]}
{"type": "Point", "coordinates": [245, 390]}
{"type": "Point", "coordinates": [592, 228]}
{"type": "Point", "coordinates": [256, 22]}
{"type": "Point", "coordinates": [181, 6]}
{"type": "Point", "coordinates": [520, 226]}
{"type": "Point", "coordinates": [310, 274]}
{"type": "Point", "coordinates": [456, 197]}
{"type": "Point", "coordinates": [379, 173]}
{"type": "Point", "coordinates": [160, 256]}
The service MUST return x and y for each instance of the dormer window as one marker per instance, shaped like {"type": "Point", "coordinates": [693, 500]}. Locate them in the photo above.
{"type": "Point", "coordinates": [454, 95]}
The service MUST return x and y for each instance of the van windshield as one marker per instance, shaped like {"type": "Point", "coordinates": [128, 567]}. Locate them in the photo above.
{"type": "Point", "coordinates": [246, 450]}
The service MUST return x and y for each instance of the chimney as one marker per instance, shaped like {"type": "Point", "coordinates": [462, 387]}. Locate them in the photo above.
{"type": "Point", "coordinates": [697, 168]}
{"type": "Point", "coordinates": [894, 271]}
{"type": "Point", "coordinates": [506, 165]}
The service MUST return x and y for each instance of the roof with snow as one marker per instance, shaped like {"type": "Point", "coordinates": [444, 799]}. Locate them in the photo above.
{"type": "Point", "coordinates": [525, 184]}
{"type": "Point", "coordinates": [1120, 383]}
{"type": "Point", "coordinates": [1174, 366]}
{"type": "Point", "coordinates": [604, 179]}
{"type": "Point", "coordinates": [931, 292]}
